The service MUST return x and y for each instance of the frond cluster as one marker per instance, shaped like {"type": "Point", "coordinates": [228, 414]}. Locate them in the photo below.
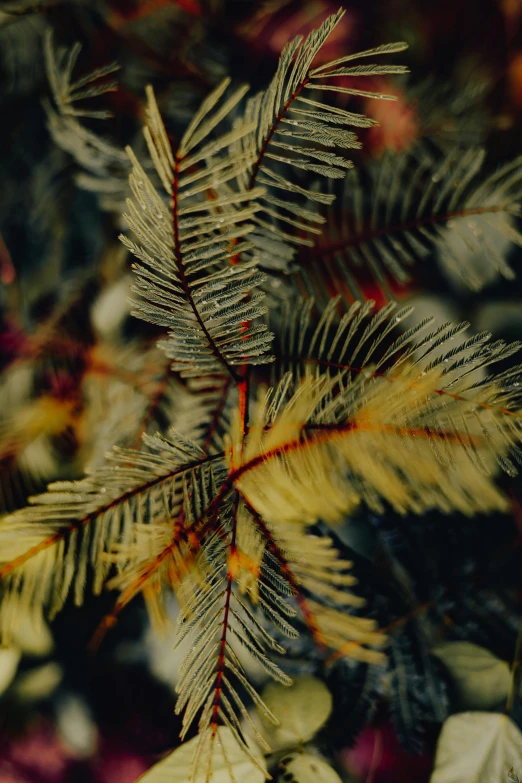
{"type": "Point", "coordinates": [216, 623]}
{"type": "Point", "coordinates": [293, 131]}
{"type": "Point", "coordinates": [413, 206]}
{"type": "Point", "coordinates": [104, 166]}
{"type": "Point", "coordinates": [388, 408]}
{"type": "Point", "coordinates": [363, 412]}
{"type": "Point", "coordinates": [69, 534]}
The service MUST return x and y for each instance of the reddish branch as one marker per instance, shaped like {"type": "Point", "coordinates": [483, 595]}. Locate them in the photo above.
{"type": "Point", "coordinates": [182, 276]}
{"type": "Point", "coordinates": [220, 670]}
{"type": "Point", "coordinates": [343, 244]}
{"type": "Point", "coordinates": [109, 621]}
{"type": "Point", "coordinates": [274, 549]}
{"type": "Point", "coordinates": [216, 417]}
{"type": "Point", "coordinates": [88, 518]}
{"type": "Point", "coordinates": [275, 125]}
{"type": "Point", "coordinates": [310, 437]}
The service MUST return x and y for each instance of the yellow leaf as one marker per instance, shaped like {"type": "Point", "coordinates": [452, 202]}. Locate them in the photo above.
{"type": "Point", "coordinates": [33, 637]}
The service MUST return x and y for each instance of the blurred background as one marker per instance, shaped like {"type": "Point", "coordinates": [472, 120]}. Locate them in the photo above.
{"type": "Point", "coordinates": [78, 374]}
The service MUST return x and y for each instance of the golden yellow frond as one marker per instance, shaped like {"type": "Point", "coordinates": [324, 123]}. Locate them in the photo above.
{"type": "Point", "coordinates": [337, 443]}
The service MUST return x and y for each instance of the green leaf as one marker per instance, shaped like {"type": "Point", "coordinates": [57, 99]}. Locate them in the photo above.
{"type": "Point", "coordinates": [9, 658]}
{"type": "Point", "coordinates": [302, 709]}
{"type": "Point", "coordinates": [477, 747]}
{"type": "Point", "coordinates": [229, 762]}
{"type": "Point", "coordinates": [305, 768]}
{"type": "Point", "coordinates": [481, 679]}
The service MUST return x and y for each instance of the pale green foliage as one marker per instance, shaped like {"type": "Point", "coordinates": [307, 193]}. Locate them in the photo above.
{"type": "Point", "coordinates": [292, 128]}
{"type": "Point", "coordinates": [476, 747]}
{"type": "Point", "coordinates": [104, 166]}
{"type": "Point", "coordinates": [414, 205]}
{"type": "Point", "coordinates": [358, 413]}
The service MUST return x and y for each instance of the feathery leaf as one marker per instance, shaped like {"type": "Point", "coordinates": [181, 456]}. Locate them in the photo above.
{"type": "Point", "coordinates": [412, 205]}
{"type": "Point", "coordinates": [185, 280]}
{"type": "Point", "coordinates": [50, 548]}
{"type": "Point", "coordinates": [291, 129]}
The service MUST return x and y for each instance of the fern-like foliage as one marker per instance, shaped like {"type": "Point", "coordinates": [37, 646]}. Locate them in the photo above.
{"type": "Point", "coordinates": [293, 131]}
{"type": "Point", "coordinates": [185, 280]}
{"type": "Point", "coordinates": [361, 412]}
{"type": "Point", "coordinates": [215, 620]}
{"type": "Point", "coordinates": [104, 166]}
{"type": "Point", "coordinates": [68, 534]}
{"type": "Point", "coordinates": [312, 568]}
{"type": "Point", "coordinates": [410, 426]}
{"type": "Point", "coordinates": [417, 397]}
{"type": "Point", "coordinates": [414, 206]}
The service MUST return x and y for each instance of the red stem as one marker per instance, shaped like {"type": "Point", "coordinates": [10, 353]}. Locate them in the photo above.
{"type": "Point", "coordinates": [182, 276]}
{"type": "Point", "coordinates": [273, 548]}
{"type": "Point", "coordinates": [321, 250]}
{"type": "Point", "coordinates": [275, 125]}
{"type": "Point", "coordinates": [54, 539]}
{"type": "Point", "coordinates": [223, 640]}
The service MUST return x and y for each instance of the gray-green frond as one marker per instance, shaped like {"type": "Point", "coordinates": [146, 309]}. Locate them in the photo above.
{"type": "Point", "coordinates": [293, 131]}
{"type": "Point", "coordinates": [197, 274]}
{"type": "Point", "coordinates": [105, 167]}
{"type": "Point", "coordinates": [60, 66]}
{"type": "Point", "coordinates": [218, 626]}
{"type": "Point", "coordinates": [71, 534]}
{"type": "Point", "coordinates": [413, 206]}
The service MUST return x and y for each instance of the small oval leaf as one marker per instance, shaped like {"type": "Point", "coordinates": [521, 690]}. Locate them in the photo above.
{"type": "Point", "coordinates": [481, 679]}
{"type": "Point", "coordinates": [306, 768]}
{"type": "Point", "coordinates": [302, 709]}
